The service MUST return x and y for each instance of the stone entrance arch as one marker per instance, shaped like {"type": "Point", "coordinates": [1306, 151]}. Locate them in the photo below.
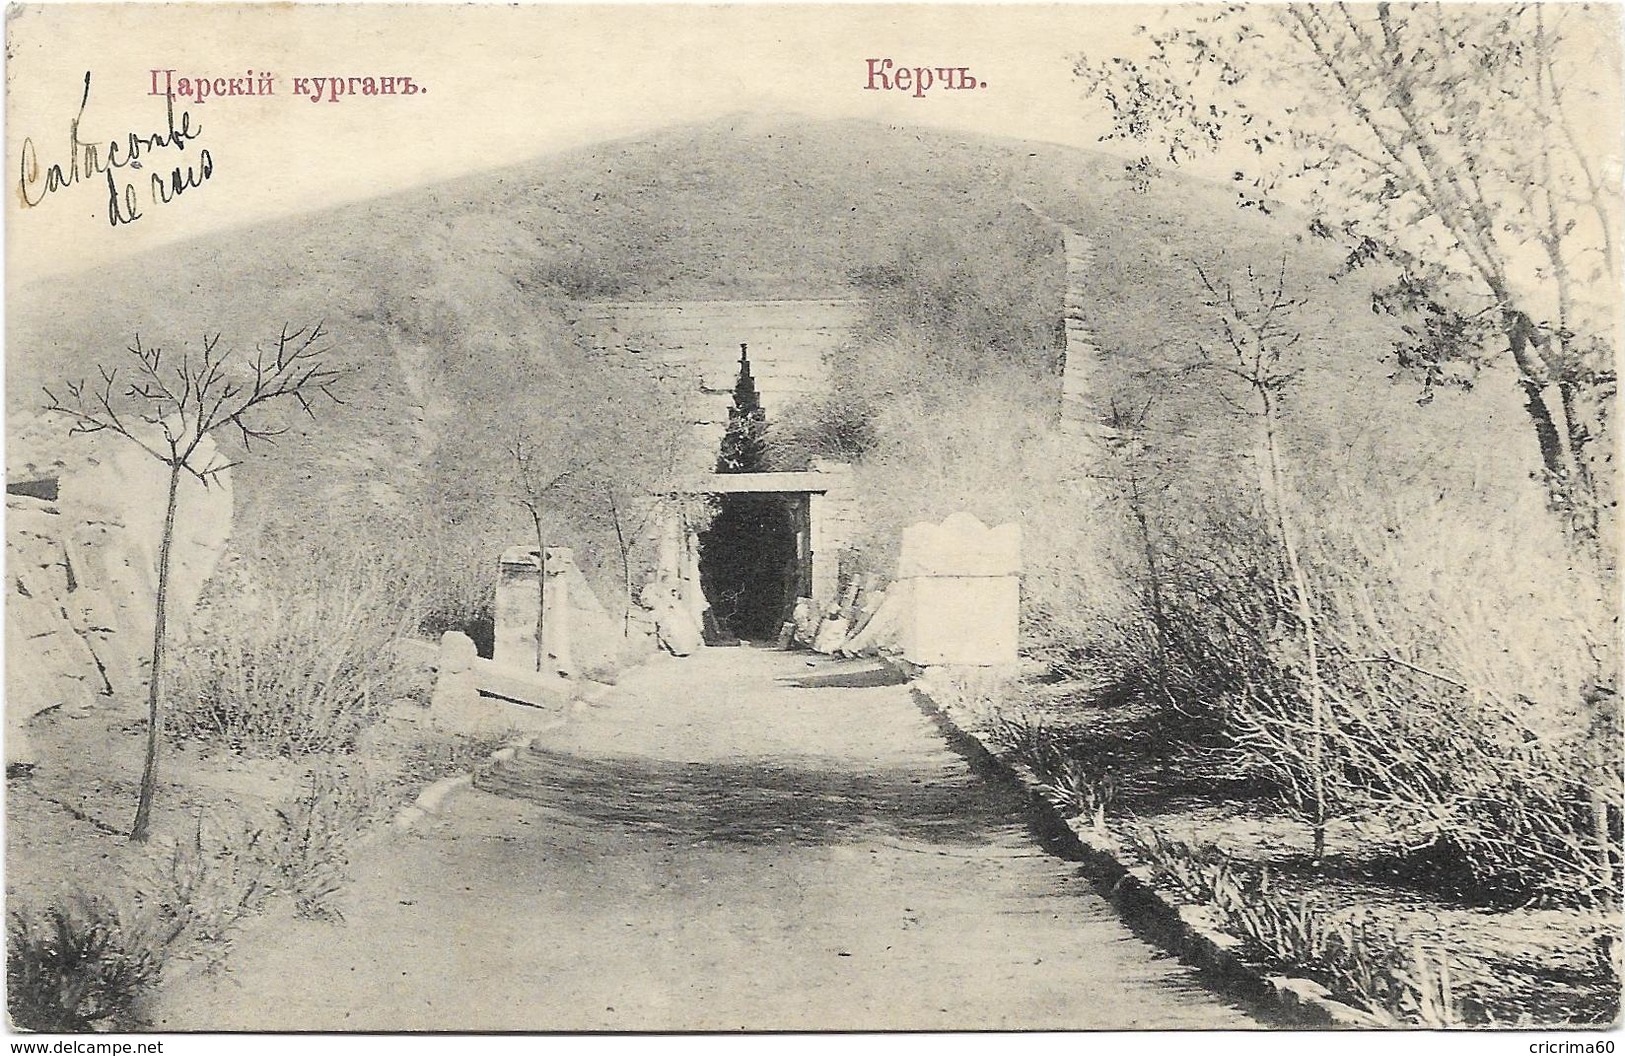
{"type": "Point", "coordinates": [814, 510]}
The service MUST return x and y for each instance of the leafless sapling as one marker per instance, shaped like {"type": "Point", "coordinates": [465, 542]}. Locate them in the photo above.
{"type": "Point", "coordinates": [167, 405]}
{"type": "Point", "coordinates": [538, 471]}
{"type": "Point", "coordinates": [1258, 341]}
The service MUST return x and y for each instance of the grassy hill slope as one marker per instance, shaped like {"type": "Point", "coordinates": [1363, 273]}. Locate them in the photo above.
{"type": "Point", "coordinates": [436, 296]}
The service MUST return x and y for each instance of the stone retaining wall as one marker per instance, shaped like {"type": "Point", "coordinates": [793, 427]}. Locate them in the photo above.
{"type": "Point", "coordinates": [693, 348]}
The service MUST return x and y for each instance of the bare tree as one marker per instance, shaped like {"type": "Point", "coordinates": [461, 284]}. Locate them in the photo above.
{"type": "Point", "coordinates": [167, 406]}
{"type": "Point", "coordinates": [1450, 142]}
{"type": "Point", "coordinates": [1257, 352]}
{"type": "Point", "coordinates": [538, 471]}
{"type": "Point", "coordinates": [642, 485]}
{"type": "Point", "coordinates": [629, 516]}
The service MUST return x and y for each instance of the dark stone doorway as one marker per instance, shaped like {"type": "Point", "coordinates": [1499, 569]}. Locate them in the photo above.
{"type": "Point", "coordinates": [748, 564]}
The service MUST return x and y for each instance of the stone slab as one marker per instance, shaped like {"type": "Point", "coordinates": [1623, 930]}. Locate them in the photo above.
{"type": "Point", "coordinates": [962, 620]}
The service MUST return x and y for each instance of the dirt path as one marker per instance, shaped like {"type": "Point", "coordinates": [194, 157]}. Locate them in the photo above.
{"type": "Point", "coordinates": [733, 841]}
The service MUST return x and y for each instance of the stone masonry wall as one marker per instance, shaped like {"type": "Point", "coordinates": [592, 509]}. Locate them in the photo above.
{"type": "Point", "coordinates": [693, 346]}
{"type": "Point", "coordinates": [1077, 409]}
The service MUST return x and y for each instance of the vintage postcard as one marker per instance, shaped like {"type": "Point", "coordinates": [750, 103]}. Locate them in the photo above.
{"type": "Point", "coordinates": [930, 518]}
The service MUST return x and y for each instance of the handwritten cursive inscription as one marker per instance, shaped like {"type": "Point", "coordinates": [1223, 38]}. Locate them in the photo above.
{"type": "Point", "coordinates": [112, 159]}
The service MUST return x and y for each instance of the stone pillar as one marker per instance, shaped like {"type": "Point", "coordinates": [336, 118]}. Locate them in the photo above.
{"type": "Point", "coordinates": [517, 604]}
{"type": "Point", "coordinates": [690, 591]}
{"type": "Point", "coordinates": [964, 597]}
{"type": "Point", "coordinates": [456, 703]}
{"type": "Point", "coordinates": [556, 568]}
{"type": "Point", "coordinates": [677, 567]}
{"type": "Point", "coordinates": [825, 581]}
{"type": "Point", "coordinates": [832, 521]}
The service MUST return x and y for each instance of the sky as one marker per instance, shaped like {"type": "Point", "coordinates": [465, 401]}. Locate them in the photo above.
{"type": "Point", "coordinates": [502, 84]}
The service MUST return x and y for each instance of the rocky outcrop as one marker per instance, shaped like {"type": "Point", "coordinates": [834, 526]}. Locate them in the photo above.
{"type": "Point", "coordinates": [82, 571]}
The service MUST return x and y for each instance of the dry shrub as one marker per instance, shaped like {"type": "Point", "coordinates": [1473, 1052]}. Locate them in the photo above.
{"type": "Point", "coordinates": [1467, 673]}
{"type": "Point", "coordinates": [292, 659]}
{"type": "Point", "coordinates": [1474, 687]}
{"type": "Point", "coordinates": [1465, 657]}
{"type": "Point", "coordinates": [967, 297]}
{"type": "Point", "coordinates": [90, 959]}
{"type": "Point", "coordinates": [834, 427]}
{"type": "Point", "coordinates": [193, 891]}
{"type": "Point", "coordinates": [78, 966]}
{"type": "Point", "coordinates": [308, 846]}
{"type": "Point", "coordinates": [1219, 606]}
{"type": "Point", "coordinates": [952, 303]}
{"type": "Point", "coordinates": [459, 583]}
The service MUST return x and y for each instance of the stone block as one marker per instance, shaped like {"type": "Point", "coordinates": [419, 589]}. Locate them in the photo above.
{"type": "Point", "coordinates": [676, 630]}
{"type": "Point", "coordinates": [20, 752]}
{"type": "Point", "coordinates": [129, 487]}
{"type": "Point", "coordinates": [47, 664]}
{"type": "Point", "coordinates": [831, 634]}
{"type": "Point", "coordinates": [963, 605]}
{"type": "Point", "coordinates": [530, 688]}
{"type": "Point", "coordinates": [456, 705]}
{"type": "Point", "coordinates": [963, 620]}
{"type": "Point", "coordinates": [598, 636]}
{"type": "Point", "coordinates": [960, 546]}
{"type": "Point", "coordinates": [518, 602]}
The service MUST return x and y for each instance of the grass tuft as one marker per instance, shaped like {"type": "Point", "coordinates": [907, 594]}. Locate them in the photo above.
{"type": "Point", "coordinates": [293, 667]}
{"type": "Point", "coordinates": [79, 966]}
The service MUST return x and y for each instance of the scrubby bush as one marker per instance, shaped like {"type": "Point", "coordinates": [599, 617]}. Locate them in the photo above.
{"type": "Point", "coordinates": [456, 573]}
{"type": "Point", "coordinates": [833, 427]}
{"type": "Point", "coordinates": [292, 659]}
{"type": "Point", "coordinates": [1472, 674]}
{"type": "Point", "coordinates": [954, 303]}
{"type": "Point", "coordinates": [79, 966]}
{"type": "Point", "coordinates": [90, 960]}
{"type": "Point", "coordinates": [1437, 673]}
{"type": "Point", "coordinates": [308, 846]}
{"type": "Point", "coordinates": [438, 754]}
{"type": "Point", "coordinates": [966, 296]}
{"type": "Point", "coordinates": [193, 891]}
{"type": "Point", "coordinates": [1466, 673]}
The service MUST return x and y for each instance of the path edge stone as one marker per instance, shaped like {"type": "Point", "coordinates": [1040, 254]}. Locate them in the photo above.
{"type": "Point", "coordinates": [1180, 929]}
{"type": "Point", "coordinates": [434, 795]}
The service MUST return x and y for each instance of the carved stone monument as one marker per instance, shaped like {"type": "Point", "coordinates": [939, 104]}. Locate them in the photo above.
{"type": "Point", "coordinates": [963, 592]}
{"type": "Point", "coordinates": [578, 636]}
